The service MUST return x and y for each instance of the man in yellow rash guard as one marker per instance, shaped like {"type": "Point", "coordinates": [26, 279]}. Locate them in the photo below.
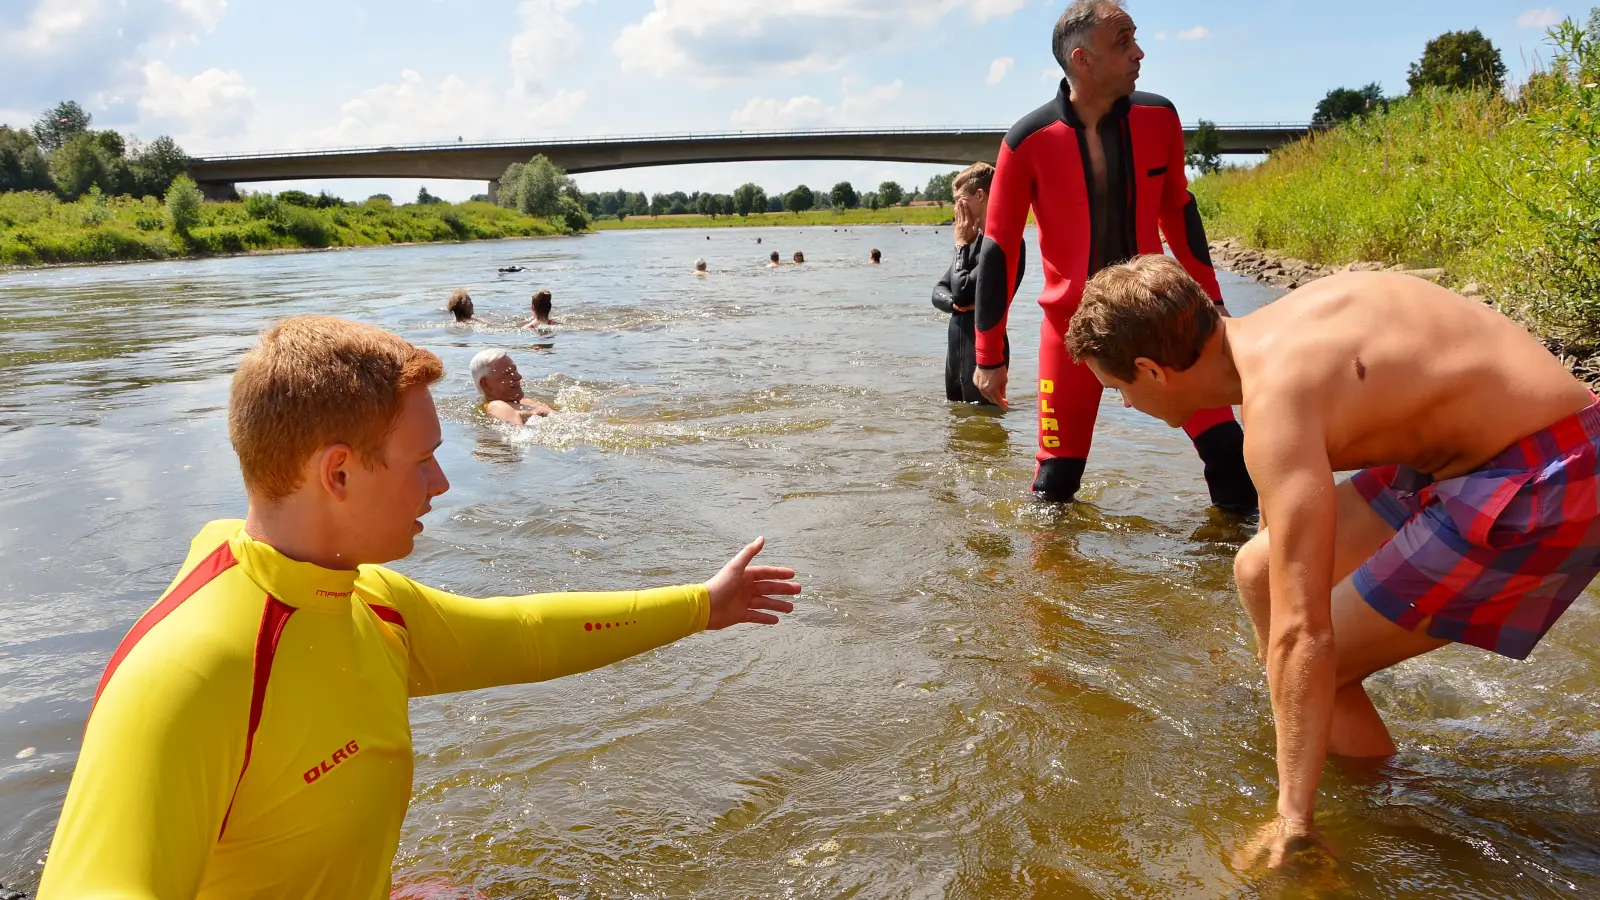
{"type": "Point", "coordinates": [250, 735]}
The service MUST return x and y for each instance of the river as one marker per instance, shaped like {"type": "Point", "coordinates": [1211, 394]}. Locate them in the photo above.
{"type": "Point", "coordinates": [979, 696]}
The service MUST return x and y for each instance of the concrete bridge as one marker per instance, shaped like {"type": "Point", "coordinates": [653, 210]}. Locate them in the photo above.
{"type": "Point", "coordinates": [217, 175]}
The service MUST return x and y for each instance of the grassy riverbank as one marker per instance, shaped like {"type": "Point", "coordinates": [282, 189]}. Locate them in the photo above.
{"type": "Point", "coordinates": [894, 215]}
{"type": "Point", "coordinates": [38, 228]}
{"type": "Point", "coordinates": [1494, 191]}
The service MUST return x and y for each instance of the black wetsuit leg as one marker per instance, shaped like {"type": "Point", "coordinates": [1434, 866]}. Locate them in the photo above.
{"type": "Point", "coordinates": [964, 351]}
{"type": "Point", "coordinates": [953, 361]}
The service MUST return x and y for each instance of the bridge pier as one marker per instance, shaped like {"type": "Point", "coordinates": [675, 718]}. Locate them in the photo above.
{"type": "Point", "coordinates": [218, 190]}
{"type": "Point", "coordinates": [494, 190]}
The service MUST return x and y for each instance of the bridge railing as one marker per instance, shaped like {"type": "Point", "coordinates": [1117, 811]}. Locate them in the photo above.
{"type": "Point", "coordinates": [673, 136]}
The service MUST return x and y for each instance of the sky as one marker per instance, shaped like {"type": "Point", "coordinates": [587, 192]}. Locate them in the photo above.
{"type": "Point", "coordinates": [235, 75]}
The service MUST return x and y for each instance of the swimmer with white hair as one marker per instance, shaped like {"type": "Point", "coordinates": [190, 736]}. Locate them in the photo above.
{"type": "Point", "coordinates": [500, 387]}
{"type": "Point", "coordinates": [700, 268]}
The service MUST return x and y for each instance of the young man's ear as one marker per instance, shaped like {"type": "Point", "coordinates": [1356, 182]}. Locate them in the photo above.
{"type": "Point", "coordinates": [1145, 365]}
{"type": "Point", "coordinates": [333, 469]}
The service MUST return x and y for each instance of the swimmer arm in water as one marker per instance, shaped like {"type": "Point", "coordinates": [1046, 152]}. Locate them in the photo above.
{"type": "Point", "coordinates": [517, 414]}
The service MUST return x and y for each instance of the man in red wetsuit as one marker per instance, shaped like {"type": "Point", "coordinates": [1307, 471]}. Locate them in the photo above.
{"type": "Point", "coordinates": [1102, 168]}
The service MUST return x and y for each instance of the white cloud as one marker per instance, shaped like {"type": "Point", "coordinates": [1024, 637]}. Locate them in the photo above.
{"type": "Point", "coordinates": [415, 110]}
{"type": "Point", "coordinates": [737, 38]}
{"type": "Point", "coordinates": [215, 102]}
{"type": "Point", "coordinates": [548, 41]}
{"type": "Point", "coordinates": [1539, 18]}
{"type": "Point", "coordinates": [999, 69]}
{"type": "Point", "coordinates": [1051, 74]}
{"type": "Point", "coordinates": [1194, 34]}
{"type": "Point", "coordinates": [862, 108]}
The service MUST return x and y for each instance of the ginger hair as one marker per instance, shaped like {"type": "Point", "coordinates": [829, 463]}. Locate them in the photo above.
{"type": "Point", "coordinates": [1146, 307]}
{"type": "Point", "coordinates": [315, 381]}
{"type": "Point", "coordinates": [460, 302]}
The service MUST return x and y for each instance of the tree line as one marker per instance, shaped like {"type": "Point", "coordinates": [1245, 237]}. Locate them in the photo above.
{"type": "Point", "coordinates": [748, 198]}
{"type": "Point", "coordinates": [63, 155]}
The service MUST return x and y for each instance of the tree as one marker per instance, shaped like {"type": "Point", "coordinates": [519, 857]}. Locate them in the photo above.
{"type": "Point", "coordinates": [1205, 149]}
{"type": "Point", "coordinates": [424, 198]}
{"type": "Point", "coordinates": [535, 188]}
{"type": "Point", "coordinates": [56, 126]}
{"type": "Point", "coordinates": [183, 205]}
{"type": "Point", "coordinates": [744, 199]}
{"type": "Point", "coordinates": [775, 203]}
{"type": "Point", "coordinates": [844, 196]}
{"type": "Point", "coordinates": [678, 208]}
{"type": "Point", "coordinates": [77, 166]}
{"type": "Point", "coordinates": [799, 200]}
{"type": "Point", "coordinates": [155, 165]}
{"type": "Point", "coordinates": [659, 203]}
{"type": "Point", "coordinates": [941, 188]}
{"type": "Point", "coordinates": [22, 166]}
{"type": "Point", "coordinates": [1343, 104]}
{"type": "Point", "coordinates": [1459, 60]}
{"type": "Point", "coordinates": [874, 202]}
{"type": "Point", "coordinates": [890, 193]}
{"type": "Point", "coordinates": [706, 205]}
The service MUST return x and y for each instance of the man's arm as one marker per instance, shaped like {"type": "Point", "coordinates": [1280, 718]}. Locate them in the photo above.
{"type": "Point", "coordinates": [161, 757]}
{"type": "Point", "coordinates": [943, 296]}
{"type": "Point", "coordinates": [1287, 454]}
{"type": "Point", "coordinates": [999, 254]}
{"type": "Point", "coordinates": [460, 643]}
{"type": "Point", "coordinates": [1180, 219]}
{"type": "Point", "coordinates": [503, 411]}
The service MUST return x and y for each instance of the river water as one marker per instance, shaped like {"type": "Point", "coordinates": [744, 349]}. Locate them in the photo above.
{"type": "Point", "coordinates": [979, 696]}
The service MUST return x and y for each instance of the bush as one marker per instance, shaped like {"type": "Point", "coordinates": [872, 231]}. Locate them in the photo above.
{"type": "Point", "coordinates": [260, 206]}
{"type": "Point", "coordinates": [183, 205]}
{"type": "Point", "coordinates": [297, 198]}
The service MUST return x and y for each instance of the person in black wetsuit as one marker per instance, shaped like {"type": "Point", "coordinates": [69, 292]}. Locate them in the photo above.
{"type": "Point", "coordinates": [1101, 167]}
{"type": "Point", "coordinates": [956, 292]}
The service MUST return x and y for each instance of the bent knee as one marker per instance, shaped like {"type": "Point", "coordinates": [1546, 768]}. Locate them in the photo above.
{"type": "Point", "coordinates": [1250, 563]}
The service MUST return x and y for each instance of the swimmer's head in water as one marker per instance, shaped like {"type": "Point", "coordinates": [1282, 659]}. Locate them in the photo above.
{"type": "Point", "coordinates": [699, 265]}
{"type": "Point", "coordinates": [460, 305]}
{"type": "Point", "coordinates": [799, 257]}
{"type": "Point", "coordinates": [877, 255]}
{"type": "Point", "coordinates": [1095, 45]}
{"type": "Point", "coordinates": [775, 257]}
{"type": "Point", "coordinates": [1139, 327]}
{"type": "Point", "coordinates": [496, 376]}
{"type": "Point", "coordinates": [337, 415]}
{"type": "Point", "coordinates": [542, 304]}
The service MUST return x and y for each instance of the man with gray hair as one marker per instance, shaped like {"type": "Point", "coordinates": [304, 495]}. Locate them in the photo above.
{"type": "Point", "coordinates": [1102, 168]}
{"type": "Point", "coordinates": [500, 387]}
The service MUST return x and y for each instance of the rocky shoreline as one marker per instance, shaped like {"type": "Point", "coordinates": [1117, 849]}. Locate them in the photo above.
{"type": "Point", "coordinates": [1289, 273]}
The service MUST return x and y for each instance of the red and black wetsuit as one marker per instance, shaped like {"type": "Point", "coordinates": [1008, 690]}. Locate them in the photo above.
{"type": "Point", "coordinates": [1044, 164]}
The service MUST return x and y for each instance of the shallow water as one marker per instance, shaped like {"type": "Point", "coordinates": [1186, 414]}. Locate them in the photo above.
{"type": "Point", "coordinates": [978, 697]}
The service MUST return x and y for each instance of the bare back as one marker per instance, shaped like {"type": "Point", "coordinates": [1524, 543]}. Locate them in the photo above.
{"type": "Point", "coordinates": [1394, 369]}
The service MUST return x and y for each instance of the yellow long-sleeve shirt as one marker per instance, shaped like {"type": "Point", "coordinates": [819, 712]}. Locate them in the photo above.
{"type": "Point", "coordinates": [250, 736]}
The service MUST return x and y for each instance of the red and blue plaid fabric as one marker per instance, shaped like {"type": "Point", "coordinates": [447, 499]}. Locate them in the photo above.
{"type": "Point", "coordinates": [1494, 557]}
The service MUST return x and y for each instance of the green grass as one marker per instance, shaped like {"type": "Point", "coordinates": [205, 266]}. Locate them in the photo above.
{"type": "Point", "coordinates": [38, 228]}
{"type": "Point", "coordinates": [1493, 191]}
{"type": "Point", "coordinates": [895, 215]}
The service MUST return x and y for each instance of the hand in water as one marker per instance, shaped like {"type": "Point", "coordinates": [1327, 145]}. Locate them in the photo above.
{"type": "Point", "coordinates": [741, 591]}
{"type": "Point", "coordinates": [966, 230]}
{"type": "Point", "coordinates": [991, 383]}
{"type": "Point", "coordinates": [1282, 841]}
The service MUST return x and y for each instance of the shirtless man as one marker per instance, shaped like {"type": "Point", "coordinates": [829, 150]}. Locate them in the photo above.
{"type": "Point", "coordinates": [541, 311]}
{"type": "Point", "coordinates": [500, 385]}
{"type": "Point", "coordinates": [700, 268]}
{"type": "Point", "coordinates": [1474, 517]}
{"type": "Point", "coordinates": [774, 260]}
{"type": "Point", "coordinates": [460, 305]}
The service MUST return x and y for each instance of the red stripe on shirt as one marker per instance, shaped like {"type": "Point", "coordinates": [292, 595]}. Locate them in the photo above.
{"type": "Point", "coordinates": [388, 614]}
{"type": "Point", "coordinates": [273, 618]}
{"type": "Point", "coordinates": [220, 560]}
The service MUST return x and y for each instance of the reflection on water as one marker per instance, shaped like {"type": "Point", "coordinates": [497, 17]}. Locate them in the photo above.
{"type": "Point", "coordinates": [980, 696]}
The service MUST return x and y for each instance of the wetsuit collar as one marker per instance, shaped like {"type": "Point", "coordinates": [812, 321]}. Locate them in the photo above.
{"type": "Point", "coordinates": [301, 585]}
{"type": "Point", "coordinates": [1069, 114]}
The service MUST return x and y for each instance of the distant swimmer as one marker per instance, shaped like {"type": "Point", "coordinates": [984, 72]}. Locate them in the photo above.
{"type": "Point", "coordinates": [1474, 517]}
{"type": "Point", "coordinates": [758, 240]}
{"type": "Point", "coordinates": [541, 310]}
{"type": "Point", "coordinates": [250, 736]}
{"type": "Point", "coordinates": [500, 388]}
{"type": "Point", "coordinates": [799, 257]}
{"type": "Point", "coordinates": [700, 267]}
{"type": "Point", "coordinates": [774, 261]}
{"type": "Point", "coordinates": [509, 269]}
{"type": "Point", "coordinates": [460, 305]}
{"type": "Point", "coordinates": [877, 256]}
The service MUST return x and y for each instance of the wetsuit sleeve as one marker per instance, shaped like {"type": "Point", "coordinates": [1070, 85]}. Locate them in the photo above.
{"type": "Point", "coordinates": [460, 643]}
{"type": "Point", "coordinates": [998, 269]}
{"type": "Point", "coordinates": [161, 757]}
{"type": "Point", "coordinates": [943, 297]}
{"type": "Point", "coordinates": [1180, 220]}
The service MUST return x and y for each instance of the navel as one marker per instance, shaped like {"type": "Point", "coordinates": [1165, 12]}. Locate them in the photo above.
{"type": "Point", "coordinates": [1361, 370]}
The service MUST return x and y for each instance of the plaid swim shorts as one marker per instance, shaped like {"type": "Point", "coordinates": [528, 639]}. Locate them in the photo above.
{"type": "Point", "coordinates": [1491, 558]}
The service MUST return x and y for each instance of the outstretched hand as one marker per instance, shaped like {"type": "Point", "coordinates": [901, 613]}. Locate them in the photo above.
{"type": "Point", "coordinates": [744, 593]}
{"type": "Point", "coordinates": [1282, 841]}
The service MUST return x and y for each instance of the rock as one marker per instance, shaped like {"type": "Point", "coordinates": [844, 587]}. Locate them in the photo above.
{"type": "Point", "coordinates": [1471, 290]}
{"type": "Point", "coordinates": [1434, 275]}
